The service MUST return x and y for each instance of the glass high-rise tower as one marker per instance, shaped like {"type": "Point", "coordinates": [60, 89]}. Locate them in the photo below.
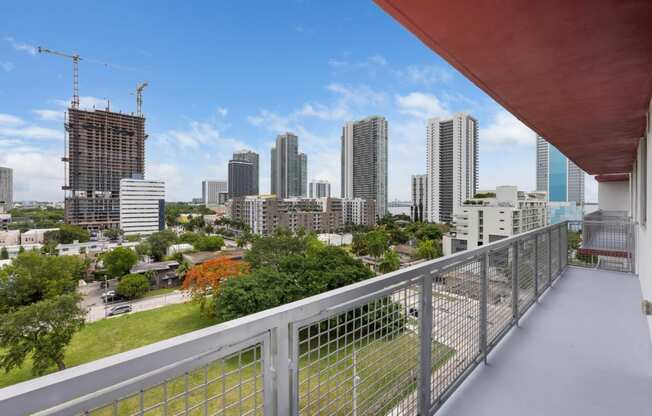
{"type": "Point", "coordinates": [557, 175]}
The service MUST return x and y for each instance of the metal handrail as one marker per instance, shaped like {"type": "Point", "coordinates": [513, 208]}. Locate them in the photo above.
{"type": "Point", "coordinates": [78, 389]}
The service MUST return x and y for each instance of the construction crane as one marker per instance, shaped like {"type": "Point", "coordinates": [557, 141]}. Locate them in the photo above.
{"type": "Point", "coordinates": [75, 72]}
{"type": "Point", "coordinates": [139, 98]}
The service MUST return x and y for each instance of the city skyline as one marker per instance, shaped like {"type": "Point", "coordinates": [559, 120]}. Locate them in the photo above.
{"type": "Point", "coordinates": [338, 81]}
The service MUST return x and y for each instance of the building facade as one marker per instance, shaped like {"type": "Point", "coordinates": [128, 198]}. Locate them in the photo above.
{"type": "Point", "coordinates": [241, 178]}
{"type": "Point", "coordinates": [103, 148]}
{"type": "Point", "coordinates": [142, 206]}
{"type": "Point", "coordinates": [358, 211]}
{"type": "Point", "coordinates": [303, 175]}
{"type": "Point", "coordinates": [320, 189]}
{"type": "Point", "coordinates": [286, 167]}
{"type": "Point", "coordinates": [419, 206]}
{"type": "Point", "coordinates": [214, 193]}
{"type": "Point", "coordinates": [253, 158]}
{"type": "Point", "coordinates": [6, 189]}
{"type": "Point", "coordinates": [364, 161]}
{"type": "Point", "coordinates": [480, 221]}
{"type": "Point", "coordinates": [451, 164]}
{"type": "Point", "coordinates": [557, 175]}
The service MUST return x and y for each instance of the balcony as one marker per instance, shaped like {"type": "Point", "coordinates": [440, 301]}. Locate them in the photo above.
{"type": "Point", "coordinates": [398, 344]}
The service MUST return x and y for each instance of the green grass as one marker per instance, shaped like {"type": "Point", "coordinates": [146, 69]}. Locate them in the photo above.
{"type": "Point", "coordinates": [111, 336]}
{"type": "Point", "coordinates": [159, 292]}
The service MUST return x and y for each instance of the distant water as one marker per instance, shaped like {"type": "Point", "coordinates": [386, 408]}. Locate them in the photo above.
{"type": "Point", "coordinates": [399, 210]}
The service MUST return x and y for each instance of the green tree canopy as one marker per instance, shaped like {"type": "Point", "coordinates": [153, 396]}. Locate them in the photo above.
{"type": "Point", "coordinates": [208, 243]}
{"type": "Point", "coordinates": [377, 242]}
{"type": "Point", "coordinates": [159, 243]}
{"type": "Point", "coordinates": [4, 254]}
{"type": "Point", "coordinates": [41, 330]}
{"type": "Point", "coordinates": [390, 262]}
{"type": "Point", "coordinates": [67, 234]}
{"type": "Point", "coordinates": [429, 249]}
{"type": "Point", "coordinates": [133, 286]}
{"type": "Point", "coordinates": [119, 261]}
{"type": "Point", "coordinates": [112, 233]}
{"type": "Point", "coordinates": [270, 250]}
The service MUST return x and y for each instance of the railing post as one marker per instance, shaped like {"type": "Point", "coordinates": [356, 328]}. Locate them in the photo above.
{"type": "Point", "coordinates": [515, 284]}
{"type": "Point", "coordinates": [483, 305]}
{"type": "Point", "coordinates": [281, 366]}
{"type": "Point", "coordinates": [561, 250]}
{"type": "Point", "coordinates": [536, 267]}
{"type": "Point", "coordinates": [549, 257]}
{"type": "Point", "coordinates": [425, 335]}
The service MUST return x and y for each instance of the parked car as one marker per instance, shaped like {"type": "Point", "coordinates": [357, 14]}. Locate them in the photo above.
{"type": "Point", "coordinates": [117, 310]}
{"type": "Point", "coordinates": [109, 294]}
{"type": "Point", "coordinates": [105, 284]}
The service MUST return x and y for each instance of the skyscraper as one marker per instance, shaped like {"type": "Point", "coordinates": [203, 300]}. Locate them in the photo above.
{"type": "Point", "coordinates": [6, 189]}
{"type": "Point", "coordinates": [303, 174]}
{"type": "Point", "coordinates": [419, 206]}
{"type": "Point", "coordinates": [364, 161]}
{"type": "Point", "coordinates": [557, 175]}
{"type": "Point", "coordinates": [103, 148]}
{"type": "Point", "coordinates": [241, 178]}
{"type": "Point", "coordinates": [451, 164]}
{"type": "Point", "coordinates": [320, 189]}
{"type": "Point", "coordinates": [251, 157]}
{"type": "Point", "coordinates": [214, 193]}
{"type": "Point", "coordinates": [287, 167]}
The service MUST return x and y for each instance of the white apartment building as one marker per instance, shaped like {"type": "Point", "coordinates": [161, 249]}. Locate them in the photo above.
{"type": "Point", "coordinates": [480, 221]}
{"type": "Point", "coordinates": [214, 193]}
{"type": "Point", "coordinates": [9, 238]}
{"type": "Point", "coordinates": [451, 164]}
{"type": "Point", "coordinates": [34, 236]}
{"type": "Point", "coordinates": [358, 211]}
{"type": "Point", "coordinates": [142, 206]}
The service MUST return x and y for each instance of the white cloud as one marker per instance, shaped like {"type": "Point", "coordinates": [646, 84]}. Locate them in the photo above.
{"type": "Point", "coordinates": [421, 105]}
{"type": "Point", "coordinates": [85, 102]}
{"type": "Point", "coordinates": [37, 174]}
{"type": "Point", "coordinates": [198, 134]}
{"type": "Point", "coordinates": [21, 46]}
{"type": "Point", "coordinates": [7, 66]}
{"type": "Point", "coordinates": [505, 130]}
{"type": "Point", "coordinates": [9, 120]}
{"type": "Point", "coordinates": [222, 111]}
{"type": "Point", "coordinates": [31, 132]}
{"type": "Point", "coordinates": [49, 115]}
{"type": "Point", "coordinates": [425, 74]}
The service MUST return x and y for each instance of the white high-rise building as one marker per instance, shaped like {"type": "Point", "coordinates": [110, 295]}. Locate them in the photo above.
{"type": "Point", "coordinates": [451, 164]}
{"type": "Point", "coordinates": [320, 189]}
{"type": "Point", "coordinates": [364, 161]}
{"type": "Point", "coordinates": [142, 206]}
{"type": "Point", "coordinates": [214, 193]}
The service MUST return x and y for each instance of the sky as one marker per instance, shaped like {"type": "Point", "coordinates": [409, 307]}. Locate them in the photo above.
{"type": "Point", "coordinates": [231, 75]}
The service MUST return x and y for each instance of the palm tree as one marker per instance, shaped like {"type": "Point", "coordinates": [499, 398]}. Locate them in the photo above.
{"type": "Point", "coordinates": [390, 262]}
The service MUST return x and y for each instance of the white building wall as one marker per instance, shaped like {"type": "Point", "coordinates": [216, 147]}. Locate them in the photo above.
{"type": "Point", "coordinates": [613, 196]}
{"type": "Point", "coordinates": [432, 169]}
{"type": "Point", "coordinates": [139, 205]}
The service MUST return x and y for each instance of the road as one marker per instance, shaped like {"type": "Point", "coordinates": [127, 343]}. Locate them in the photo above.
{"type": "Point", "coordinates": [97, 309]}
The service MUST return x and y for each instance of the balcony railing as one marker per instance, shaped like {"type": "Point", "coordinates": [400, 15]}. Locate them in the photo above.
{"type": "Point", "coordinates": [606, 242]}
{"type": "Point", "coordinates": [398, 344]}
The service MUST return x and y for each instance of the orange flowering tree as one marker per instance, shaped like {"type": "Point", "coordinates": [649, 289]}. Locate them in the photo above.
{"type": "Point", "coordinates": [204, 280]}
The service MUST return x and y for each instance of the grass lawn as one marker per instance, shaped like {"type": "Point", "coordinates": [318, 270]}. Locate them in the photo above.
{"type": "Point", "coordinates": [111, 336]}
{"type": "Point", "coordinates": [159, 292]}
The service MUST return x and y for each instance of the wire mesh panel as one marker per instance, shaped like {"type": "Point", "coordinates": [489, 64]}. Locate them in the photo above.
{"type": "Point", "coordinates": [499, 292]}
{"type": "Point", "coordinates": [456, 324]}
{"type": "Point", "coordinates": [363, 361]}
{"type": "Point", "coordinates": [543, 266]}
{"type": "Point", "coordinates": [554, 236]}
{"type": "Point", "coordinates": [526, 293]}
{"type": "Point", "coordinates": [563, 256]}
{"type": "Point", "coordinates": [232, 385]}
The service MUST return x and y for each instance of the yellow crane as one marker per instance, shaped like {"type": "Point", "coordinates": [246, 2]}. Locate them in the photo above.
{"type": "Point", "coordinates": [75, 72]}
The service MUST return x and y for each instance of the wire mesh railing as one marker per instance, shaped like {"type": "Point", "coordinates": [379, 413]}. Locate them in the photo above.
{"type": "Point", "coordinates": [398, 344]}
{"type": "Point", "coordinates": [604, 244]}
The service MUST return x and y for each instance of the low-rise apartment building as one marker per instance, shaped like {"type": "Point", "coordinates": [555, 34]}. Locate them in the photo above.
{"type": "Point", "coordinates": [35, 236]}
{"type": "Point", "coordinates": [9, 238]}
{"type": "Point", "coordinates": [493, 216]}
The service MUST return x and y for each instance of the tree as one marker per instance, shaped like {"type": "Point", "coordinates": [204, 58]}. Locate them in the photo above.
{"type": "Point", "coordinates": [208, 243]}
{"type": "Point", "coordinates": [21, 249]}
{"type": "Point", "coordinates": [159, 243]}
{"type": "Point", "coordinates": [270, 250]}
{"type": "Point", "coordinates": [112, 233]}
{"type": "Point", "coordinates": [377, 242]}
{"type": "Point", "coordinates": [119, 261]}
{"type": "Point", "coordinates": [359, 244]}
{"type": "Point", "coordinates": [144, 249]}
{"type": "Point", "coordinates": [70, 233]}
{"type": "Point", "coordinates": [205, 279]}
{"type": "Point", "coordinates": [390, 262]}
{"type": "Point", "coordinates": [244, 239]}
{"type": "Point", "coordinates": [42, 331]}
{"type": "Point", "coordinates": [428, 232]}
{"type": "Point", "coordinates": [428, 249]}
{"type": "Point", "coordinates": [133, 286]}
{"type": "Point", "coordinates": [4, 254]}
{"type": "Point", "coordinates": [189, 238]}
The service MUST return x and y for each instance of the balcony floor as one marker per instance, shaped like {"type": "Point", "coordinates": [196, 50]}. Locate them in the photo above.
{"type": "Point", "coordinates": [584, 350]}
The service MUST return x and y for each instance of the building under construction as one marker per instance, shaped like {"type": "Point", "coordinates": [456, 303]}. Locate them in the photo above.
{"type": "Point", "coordinates": [103, 147]}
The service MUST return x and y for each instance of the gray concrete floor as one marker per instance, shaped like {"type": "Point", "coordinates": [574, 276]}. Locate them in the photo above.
{"type": "Point", "coordinates": [584, 350]}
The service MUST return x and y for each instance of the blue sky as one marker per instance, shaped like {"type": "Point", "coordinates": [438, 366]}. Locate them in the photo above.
{"type": "Point", "coordinates": [230, 75]}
